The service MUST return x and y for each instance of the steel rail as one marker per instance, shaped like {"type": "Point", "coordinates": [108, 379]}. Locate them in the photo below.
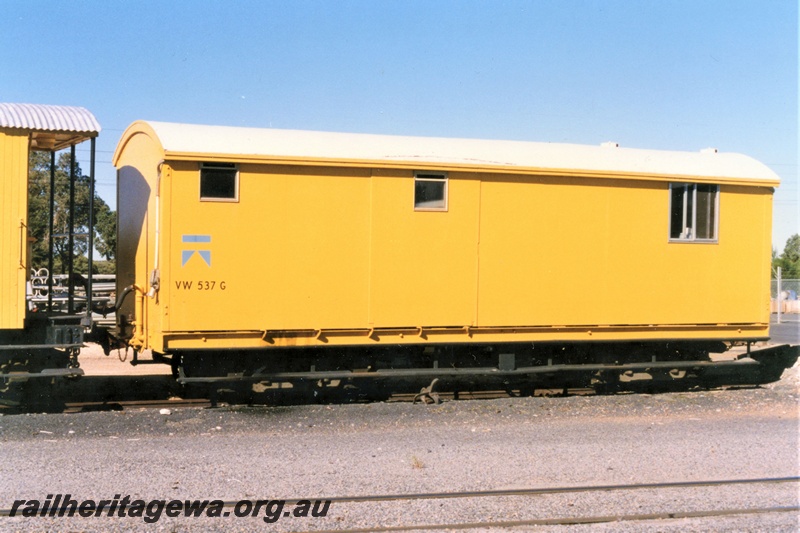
{"type": "Point", "coordinates": [121, 405]}
{"type": "Point", "coordinates": [567, 521]}
{"type": "Point", "coordinates": [542, 491]}
{"type": "Point", "coordinates": [74, 407]}
{"type": "Point", "coordinates": [549, 490]}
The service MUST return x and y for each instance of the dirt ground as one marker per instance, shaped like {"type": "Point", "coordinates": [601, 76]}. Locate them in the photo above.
{"type": "Point", "coordinates": [95, 363]}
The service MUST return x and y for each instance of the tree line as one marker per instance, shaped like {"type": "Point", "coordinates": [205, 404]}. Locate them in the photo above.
{"type": "Point", "coordinates": [789, 260]}
{"type": "Point", "coordinates": [105, 220]}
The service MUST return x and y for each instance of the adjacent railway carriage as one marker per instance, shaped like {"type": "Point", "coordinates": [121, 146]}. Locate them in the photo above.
{"type": "Point", "coordinates": [48, 334]}
{"type": "Point", "coordinates": [292, 253]}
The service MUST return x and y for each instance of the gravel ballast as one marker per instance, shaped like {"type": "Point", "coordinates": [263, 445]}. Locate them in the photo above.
{"type": "Point", "coordinates": [318, 451]}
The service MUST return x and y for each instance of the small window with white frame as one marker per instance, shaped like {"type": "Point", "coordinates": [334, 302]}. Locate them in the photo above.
{"type": "Point", "coordinates": [430, 191]}
{"type": "Point", "coordinates": [694, 212]}
{"type": "Point", "coordinates": [219, 182]}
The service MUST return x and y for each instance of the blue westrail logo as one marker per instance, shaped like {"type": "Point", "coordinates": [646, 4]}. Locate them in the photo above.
{"type": "Point", "coordinates": [187, 254]}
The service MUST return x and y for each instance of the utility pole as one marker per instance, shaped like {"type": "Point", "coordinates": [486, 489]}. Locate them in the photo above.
{"type": "Point", "coordinates": [779, 294]}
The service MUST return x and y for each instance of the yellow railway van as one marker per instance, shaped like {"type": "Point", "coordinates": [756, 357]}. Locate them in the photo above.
{"type": "Point", "coordinates": [311, 252]}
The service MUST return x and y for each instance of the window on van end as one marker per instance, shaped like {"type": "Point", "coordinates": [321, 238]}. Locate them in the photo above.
{"type": "Point", "coordinates": [219, 182]}
{"type": "Point", "coordinates": [694, 212]}
{"type": "Point", "coordinates": [430, 192]}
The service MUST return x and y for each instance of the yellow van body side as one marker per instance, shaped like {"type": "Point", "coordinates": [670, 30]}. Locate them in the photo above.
{"type": "Point", "coordinates": [13, 227]}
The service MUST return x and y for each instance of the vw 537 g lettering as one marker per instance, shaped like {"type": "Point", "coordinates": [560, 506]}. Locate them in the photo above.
{"type": "Point", "coordinates": [201, 285]}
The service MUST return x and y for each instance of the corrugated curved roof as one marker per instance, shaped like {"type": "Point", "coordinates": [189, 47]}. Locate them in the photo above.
{"type": "Point", "coordinates": [209, 143]}
{"type": "Point", "coordinates": [52, 127]}
{"type": "Point", "coordinates": [48, 118]}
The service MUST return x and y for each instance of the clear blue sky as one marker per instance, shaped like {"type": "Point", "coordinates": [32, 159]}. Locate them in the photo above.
{"type": "Point", "coordinates": [661, 74]}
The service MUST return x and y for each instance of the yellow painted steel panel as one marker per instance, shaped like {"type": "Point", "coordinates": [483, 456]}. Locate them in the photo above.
{"type": "Point", "coordinates": [137, 180]}
{"type": "Point", "coordinates": [329, 250]}
{"type": "Point", "coordinates": [292, 253]}
{"type": "Point", "coordinates": [423, 268]}
{"type": "Point", "coordinates": [571, 252]}
{"type": "Point", "coordinates": [13, 228]}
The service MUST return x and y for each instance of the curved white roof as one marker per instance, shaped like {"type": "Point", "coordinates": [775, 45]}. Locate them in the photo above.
{"type": "Point", "coordinates": [52, 127]}
{"type": "Point", "coordinates": [206, 143]}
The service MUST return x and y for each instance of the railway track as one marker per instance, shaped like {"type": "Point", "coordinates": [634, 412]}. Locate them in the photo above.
{"type": "Point", "coordinates": [78, 407]}
{"type": "Point", "coordinates": [176, 403]}
{"type": "Point", "coordinates": [570, 521]}
{"type": "Point", "coordinates": [109, 405]}
{"type": "Point", "coordinates": [792, 507]}
{"type": "Point", "coordinates": [119, 403]}
{"type": "Point", "coordinates": [551, 490]}
{"type": "Point", "coordinates": [574, 519]}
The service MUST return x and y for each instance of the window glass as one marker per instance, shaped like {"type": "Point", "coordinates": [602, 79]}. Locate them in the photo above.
{"type": "Point", "coordinates": [706, 216]}
{"type": "Point", "coordinates": [219, 181]}
{"type": "Point", "coordinates": [693, 212]}
{"type": "Point", "coordinates": [430, 192]}
{"type": "Point", "coordinates": [677, 211]}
